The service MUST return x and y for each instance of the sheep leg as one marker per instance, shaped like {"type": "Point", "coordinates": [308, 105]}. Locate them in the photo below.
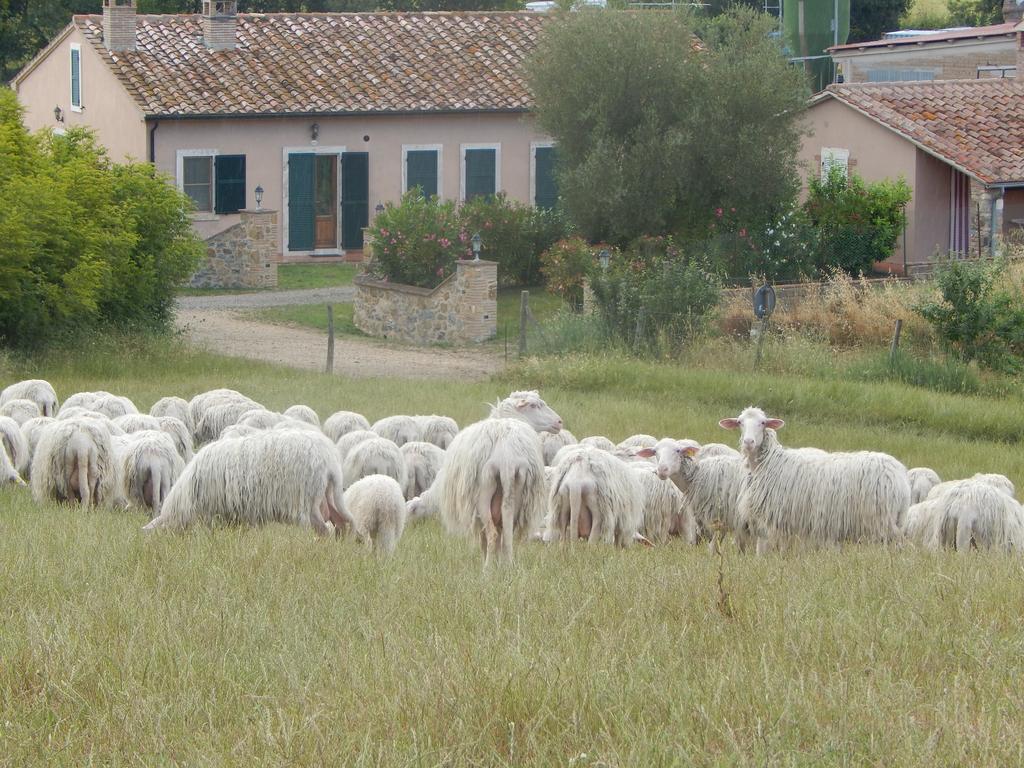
{"type": "Point", "coordinates": [509, 503]}
{"type": "Point", "coordinates": [964, 536]}
{"type": "Point", "coordinates": [84, 487]}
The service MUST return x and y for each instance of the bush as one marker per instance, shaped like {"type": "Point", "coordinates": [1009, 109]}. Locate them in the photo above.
{"type": "Point", "coordinates": [84, 242]}
{"type": "Point", "coordinates": [858, 223]}
{"type": "Point", "coordinates": [977, 318]}
{"type": "Point", "coordinates": [565, 266]}
{"type": "Point", "coordinates": [783, 249]}
{"type": "Point", "coordinates": [653, 296]}
{"type": "Point", "coordinates": [418, 241]}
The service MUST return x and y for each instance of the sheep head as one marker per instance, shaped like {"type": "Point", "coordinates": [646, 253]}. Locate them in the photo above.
{"type": "Point", "coordinates": [752, 423]}
{"type": "Point", "coordinates": [529, 407]}
{"type": "Point", "coordinates": [671, 455]}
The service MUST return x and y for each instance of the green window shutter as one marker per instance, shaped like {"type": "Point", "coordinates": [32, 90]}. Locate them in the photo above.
{"type": "Point", "coordinates": [300, 201]}
{"type": "Point", "coordinates": [545, 186]}
{"type": "Point", "coordinates": [421, 171]}
{"type": "Point", "coordinates": [355, 198]}
{"type": "Point", "coordinates": [480, 172]}
{"type": "Point", "coordinates": [76, 77]}
{"type": "Point", "coordinates": [229, 171]}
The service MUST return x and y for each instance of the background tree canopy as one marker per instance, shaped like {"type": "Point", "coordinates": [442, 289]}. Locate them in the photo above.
{"type": "Point", "coordinates": [870, 19]}
{"type": "Point", "coordinates": [658, 142]}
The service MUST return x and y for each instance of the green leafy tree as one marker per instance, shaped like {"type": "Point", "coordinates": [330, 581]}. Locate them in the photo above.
{"type": "Point", "coordinates": [870, 19]}
{"type": "Point", "coordinates": [653, 134]}
{"type": "Point", "coordinates": [975, 13]}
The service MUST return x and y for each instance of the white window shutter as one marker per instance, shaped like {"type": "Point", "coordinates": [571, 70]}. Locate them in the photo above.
{"type": "Point", "coordinates": [834, 157]}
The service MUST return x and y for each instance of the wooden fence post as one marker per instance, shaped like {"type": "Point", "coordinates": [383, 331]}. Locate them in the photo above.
{"type": "Point", "coordinates": [894, 347]}
{"type": "Point", "coordinates": [524, 315]}
{"type": "Point", "coordinates": [330, 338]}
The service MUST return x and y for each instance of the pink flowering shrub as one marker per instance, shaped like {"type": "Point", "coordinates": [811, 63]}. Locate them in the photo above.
{"type": "Point", "coordinates": [566, 264]}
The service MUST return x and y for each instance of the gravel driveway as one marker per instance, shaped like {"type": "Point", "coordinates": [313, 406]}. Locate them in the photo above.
{"type": "Point", "coordinates": [342, 295]}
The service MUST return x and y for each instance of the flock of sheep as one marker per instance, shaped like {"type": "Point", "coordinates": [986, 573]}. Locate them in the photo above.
{"type": "Point", "coordinates": [516, 474]}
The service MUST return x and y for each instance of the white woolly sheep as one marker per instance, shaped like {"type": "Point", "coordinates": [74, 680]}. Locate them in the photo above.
{"type": "Point", "coordinates": [350, 440]}
{"type": "Point", "coordinates": [822, 498]}
{"type": "Point", "coordinates": [376, 456]}
{"type": "Point", "coordinates": [639, 441]}
{"type": "Point", "coordinates": [439, 430]}
{"type": "Point", "coordinates": [236, 431]}
{"type": "Point", "coordinates": [922, 480]}
{"type": "Point", "coordinates": [666, 513]}
{"type": "Point", "coordinates": [75, 462]}
{"type": "Point", "coordinates": [303, 413]}
{"type": "Point", "coordinates": [596, 497]}
{"type": "Point", "coordinates": [179, 433]}
{"type": "Point", "coordinates": [260, 418]}
{"type": "Point", "coordinates": [422, 463]}
{"type": "Point", "coordinates": [710, 450]}
{"type": "Point", "coordinates": [84, 400]}
{"type": "Point", "coordinates": [341, 423]}
{"type": "Point", "coordinates": [113, 406]}
{"type": "Point", "coordinates": [710, 487]}
{"type": "Point", "coordinates": [288, 477]}
{"type": "Point", "coordinates": [12, 441]}
{"type": "Point", "coordinates": [290, 423]}
{"type": "Point", "coordinates": [218, 417]}
{"type": "Point", "coordinates": [32, 430]}
{"type": "Point", "coordinates": [136, 422]}
{"type": "Point", "coordinates": [38, 391]}
{"type": "Point", "coordinates": [148, 466]}
{"type": "Point", "coordinates": [552, 443]}
{"type": "Point", "coordinates": [564, 451]}
{"type": "Point", "coordinates": [598, 441]}
{"type": "Point", "coordinates": [201, 403]}
{"type": "Point", "coordinates": [398, 429]}
{"type": "Point", "coordinates": [967, 514]}
{"type": "Point", "coordinates": [8, 474]}
{"type": "Point", "coordinates": [999, 482]}
{"type": "Point", "coordinates": [20, 410]}
{"type": "Point", "coordinates": [377, 507]}
{"type": "Point", "coordinates": [528, 406]}
{"type": "Point", "coordinates": [173, 406]}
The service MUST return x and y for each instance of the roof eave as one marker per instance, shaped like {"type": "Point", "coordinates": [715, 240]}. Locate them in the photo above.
{"type": "Point", "coordinates": [153, 116]}
{"type": "Point", "coordinates": [38, 59]}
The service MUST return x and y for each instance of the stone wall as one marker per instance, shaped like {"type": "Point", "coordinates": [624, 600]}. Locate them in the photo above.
{"type": "Point", "coordinates": [243, 256]}
{"type": "Point", "coordinates": [463, 309]}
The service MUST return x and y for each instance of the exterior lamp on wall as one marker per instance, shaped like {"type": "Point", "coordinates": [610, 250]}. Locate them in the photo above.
{"type": "Point", "coordinates": [58, 114]}
{"type": "Point", "coordinates": [603, 257]}
{"type": "Point", "coordinates": [379, 209]}
{"type": "Point", "coordinates": [259, 198]}
{"type": "Point", "coordinates": [314, 132]}
{"type": "Point", "coordinates": [477, 242]}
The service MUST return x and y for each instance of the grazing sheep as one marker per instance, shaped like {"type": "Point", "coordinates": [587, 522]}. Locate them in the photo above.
{"type": "Point", "coordinates": [823, 498]}
{"type": "Point", "coordinates": [12, 441]}
{"type": "Point", "coordinates": [422, 463]}
{"type": "Point", "coordinates": [596, 497]}
{"type": "Point", "coordinates": [38, 391]}
{"type": "Point", "coordinates": [236, 431]}
{"type": "Point", "coordinates": [922, 480]}
{"type": "Point", "coordinates": [341, 423]}
{"type": "Point", "coordinates": [20, 410]}
{"type": "Point", "coordinates": [32, 430]}
{"type": "Point", "coordinates": [552, 443]}
{"type": "Point", "coordinates": [965, 515]}
{"type": "Point", "coordinates": [439, 430]}
{"type": "Point", "coordinates": [287, 477]}
{"type": "Point", "coordinates": [303, 413]}
{"type": "Point", "coordinates": [173, 406]}
{"type": "Point", "coordinates": [75, 462]}
{"type": "Point", "coordinates": [217, 417]}
{"type": "Point", "coordinates": [598, 441]}
{"type": "Point", "coordinates": [377, 508]}
{"type": "Point", "coordinates": [201, 403]}
{"type": "Point", "coordinates": [999, 482]}
{"type": "Point", "coordinates": [350, 440]}
{"type": "Point", "coordinates": [260, 418]}
{"type": "Point", "coordinates": [8, 474]}
{"type": "Point", "coordinates": [376, 456]}
{"type": "Point", "coordinates": [149, 465]}
{"type": "Point", "coordinates": [179, 433]}
{"type": "Point", "coordinates": [710, 450]}
{"type": "Point", "coordinates": [113, 406]}
{"type": "Point", "coordinates": [398, 429]}
{"type": "Point", "coordinates": [564, 451]}
{"type": "Point", "coordinates": [290, 423]}
{"type": "Point", "coordinates": [710, 487]}
{"type": "Point", "coordinates": [665, 510]}
{"type": "Point", "coordinates": [639, 441]}
{"type": "Point", "coordinates": [633, 454]}
{"type": "Point", "coordinates": [136, 422]}
{"type": "Point", "coordinates": [84, 400]}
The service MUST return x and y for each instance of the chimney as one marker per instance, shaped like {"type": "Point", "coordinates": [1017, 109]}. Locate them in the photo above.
{"type": "Point", "coordinates": [119, 25]}
{"type": "Point", "coordinates": [219, 21]}
{"type": "Point", "coordinates": [1013, 11]}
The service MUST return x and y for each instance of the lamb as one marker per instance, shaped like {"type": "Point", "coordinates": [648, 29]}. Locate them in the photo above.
{"type": "Point", "coordinates": [292, 476]}
{"type": "Point", "coordinates": [113, 406]}
{"type": "Point", "coordinates": [341, 423]}
{"type": "Point", "coordinates": [598, 441]}
{"type": "Point", "coordinates": [350, 440]}
{"type": "Point", "coordinates": [377, 507]}
{"type": "Point", "coordinates": [136, 422]}
{"type": "Point", "coordinates": [710, 487]}
{"type": "Point", "coordinates": [596, 497]}
{"type": "Point", "coordinates": [38, 391]}
{"type": "Point", "coordinates": [32, 430]}
{"type": "Point", "coordinates": [491, 485]}
{"type": "Point", "coordinates": [552, 443]}
{"type": "Point", "coordinates": [20, 410]}
{"type": "Point", "coordinates": [179, 433]}
{"type": "Point", "coordinates": [710, 450]}
{"type": "Point", "coordinates": [639, 441]}
{"type": "Point", "coordinates": [967, 514]}
{"type": "Point", "coordinates": [12, 441]}
{"type": "Point", "coordinates": [398, 429]}
{"type": "Point", "coordinates": [217, 417]}
{"type": "Point", "coordinates": [922, 480]}
{"type": "Point", "coordinates": [173, 406]}
{"type": "Point", "coordinates": [665, 512]}
{"type": "Point", "coordinates": [376, 456]}
{"type": "Point", "coordinates": [439, 430]}
{"type": "Point", "coordinates": [149, 465]}
{"type": "Point", "coordinates": [75, 462]}
{"type": "Point", "coordinates": [422, 463]}
{"type": "Point", "coordinates": [303, 413]}
{"type": "Point", "coordinates": [823, 498]}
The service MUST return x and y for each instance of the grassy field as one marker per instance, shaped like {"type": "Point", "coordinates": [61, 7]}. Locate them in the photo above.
{"type": "Point", "coordinates": [293, 277]}
{"type": "Point", "coordinates": [238, 647]}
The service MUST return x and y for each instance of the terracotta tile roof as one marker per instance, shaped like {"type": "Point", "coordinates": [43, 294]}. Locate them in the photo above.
{"type": "Point", "coordinates": [974, 125]}
{"type": "Point", "coordinates": [993, 30]}
{"type": "Point", "coordinates": [328, 63]}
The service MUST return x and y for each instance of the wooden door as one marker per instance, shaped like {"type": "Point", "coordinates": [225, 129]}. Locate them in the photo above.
{"type": "Point", "coordinates": [326, 201]}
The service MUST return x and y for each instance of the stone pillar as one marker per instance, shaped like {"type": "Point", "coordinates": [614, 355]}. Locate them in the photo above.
{"type": "Point", "coordinates": [589, 304]}
{"type": "Point", "coordinates": [260, 255]}
{"type": "Point", "coordinates": [476, 303]}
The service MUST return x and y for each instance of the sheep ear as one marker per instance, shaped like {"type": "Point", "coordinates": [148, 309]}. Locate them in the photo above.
{"type": "Point", "coordinates": [729, 423]}
{"type": "Point", "coordinates": [775, 423]}
{"type": "Point", "coordinates": [691, 451]}
{"type": "Point", "coordinates": [645, 453]}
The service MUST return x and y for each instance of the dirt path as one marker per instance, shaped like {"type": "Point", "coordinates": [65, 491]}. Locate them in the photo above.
{"type": "Point", "coordinates": [225, 332]}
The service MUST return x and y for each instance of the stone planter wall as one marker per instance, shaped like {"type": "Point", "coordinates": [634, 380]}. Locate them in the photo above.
{"type": "Point", "coordinates": [463, 309]}
{"type": "Point", "coordinates": [243, 256]}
